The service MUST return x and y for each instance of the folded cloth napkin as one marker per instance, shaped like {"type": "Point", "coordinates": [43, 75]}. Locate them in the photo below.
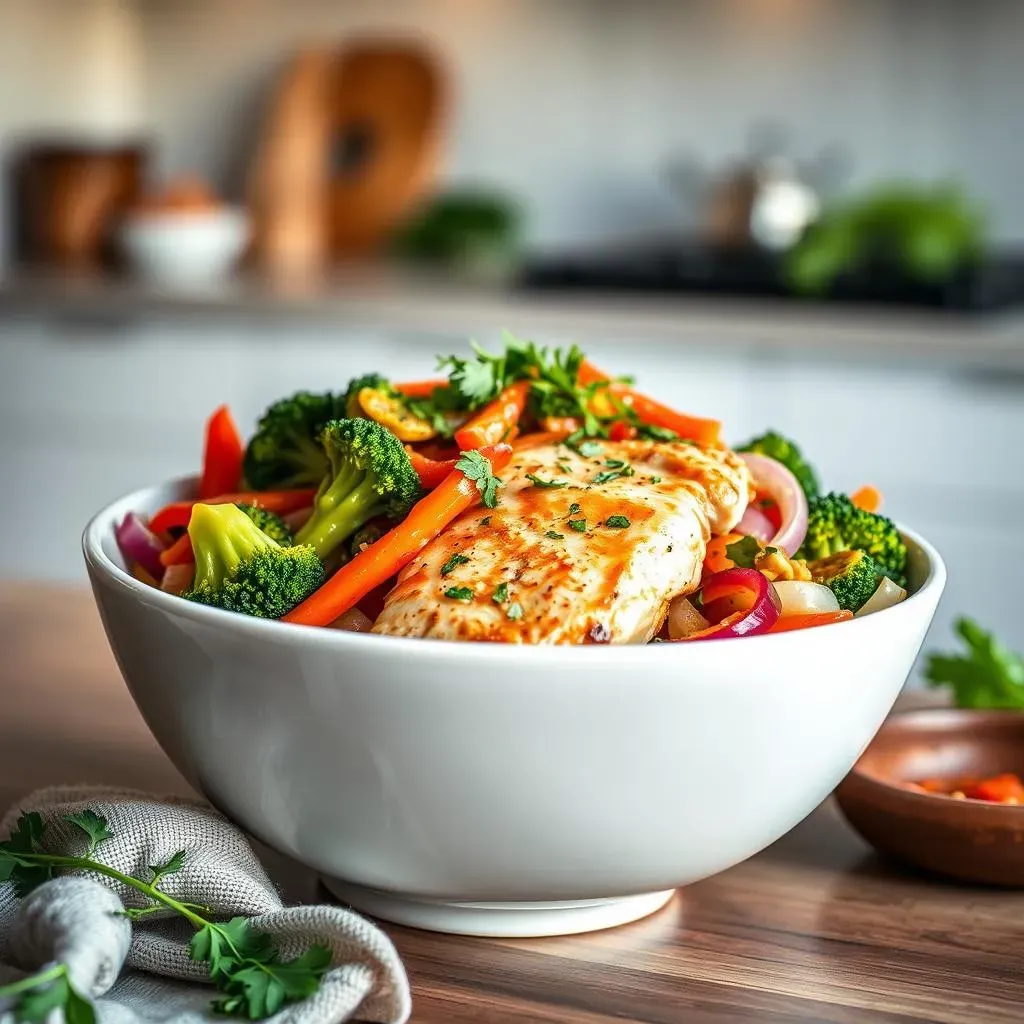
{"type": "Point", "coordinates": [77, 920]}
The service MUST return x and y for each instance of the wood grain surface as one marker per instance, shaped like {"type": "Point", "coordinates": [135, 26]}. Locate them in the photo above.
{"type": "Point", "coordinates": [815, 928]}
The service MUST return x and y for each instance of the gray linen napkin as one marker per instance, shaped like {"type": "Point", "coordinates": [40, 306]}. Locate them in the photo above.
{"type": "Point", "coordinates": [73, 919]}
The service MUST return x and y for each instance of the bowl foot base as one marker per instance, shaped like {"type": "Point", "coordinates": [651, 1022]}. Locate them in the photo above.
{"type": "Point", "coordinates": [499, 920]}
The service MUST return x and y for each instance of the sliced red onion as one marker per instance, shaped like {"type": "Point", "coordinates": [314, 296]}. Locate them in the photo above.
{"type": "Point", "coordinates": [756, 524]}
{"type": "Point", "coordinates": [139, 544]}
{"type": "Point", "coordinates": [779, 484]}
{"type": "Point", "coordinates": [759, 618]}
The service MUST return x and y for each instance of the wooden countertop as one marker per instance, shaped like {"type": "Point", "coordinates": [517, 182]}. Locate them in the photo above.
{"type": "Point", "coordinates": [813, 929]}
{"type": "Point", "coordinates": [424, 305]}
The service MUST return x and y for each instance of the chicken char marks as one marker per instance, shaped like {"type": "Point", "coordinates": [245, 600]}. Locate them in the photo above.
{"type": "Point", "coordinates": [606, 583]}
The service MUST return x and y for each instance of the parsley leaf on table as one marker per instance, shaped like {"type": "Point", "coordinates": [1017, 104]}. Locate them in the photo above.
{"type": "Point", "coordinates": [93, 826]}
{"type": "Point", "coordinates": [988, 675]}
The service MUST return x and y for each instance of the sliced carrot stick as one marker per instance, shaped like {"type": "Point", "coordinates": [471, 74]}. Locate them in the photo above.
{"type": "Point", "coordinates": [223, 451]}
{"type": "Point", "coordinates": [420, 388]}
{"type": "Point", "coordinates": [494, 421]}
{"type": "Point", "coordinates": [281, 502]}
{"type": "Point", "coordinates": [790, 622]}
{"type": "Point", "coordinates": [693, 428]}
{"type": "Point", "coordinates": [867, 498]}
{"type": "Point", "coordinates": [179, 553]}
{"type": "Point", "coordinates": [387, 556]}
{"type": "Point", "coordinates": [433, 471]}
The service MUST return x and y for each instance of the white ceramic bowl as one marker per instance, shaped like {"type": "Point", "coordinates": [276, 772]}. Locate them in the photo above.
{"type": "Point", "coordinates": [186, 248]}
{"type": "Point", "coordinates": [503, 790]}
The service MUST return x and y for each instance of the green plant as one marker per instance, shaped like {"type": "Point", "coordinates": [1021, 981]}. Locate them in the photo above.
{"type": "Point", "coordinates": [458, 226]}
{"type": "Point", "coordinates": [928, 233]}
{"type": "Point", "coordinates": [244, 964]}
{"type": "Point", "coordinates": [987, 675]}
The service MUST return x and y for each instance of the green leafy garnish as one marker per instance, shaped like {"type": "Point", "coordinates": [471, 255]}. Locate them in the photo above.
{"type": "Point", "coordinates": [514, 611]}
{"type": "Point", "coordinates": [617, 522]}
{"type": "Point", "coordinates": [988, 675]}
{"type": "Point", "coordinates": [580, 525]}
{"type": "Point", "coordinates": [477, 467]}
{"type": "Point", "coordinates": [655, 479]}
{"type": "Point", "coordinates": [574, 508]}
{"type": "Point", "coordinates": [454, 562]}
{"type": "Point", "coordinates": [459, 594]}
{"type": "Point", "coordinates": [616, 468]}
{"type": "Point", "coordinates": [538, 482]}
{"type": "Point", "coordinates": [653, 433]}
{"type": "Point", "coordinates": [486, 521]}
{"type": "Point", "coordinates": [553, 535]}
{"type": "Point", "coordinates": [243, 963]}
{"type": "Point", "coordinates": [500, 595]}
{"type": "Point", "coordinates": [743, 552]}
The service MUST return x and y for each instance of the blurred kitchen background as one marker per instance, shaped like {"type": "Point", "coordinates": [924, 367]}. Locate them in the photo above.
{"type": "Point", "coordinates": [800, 214]}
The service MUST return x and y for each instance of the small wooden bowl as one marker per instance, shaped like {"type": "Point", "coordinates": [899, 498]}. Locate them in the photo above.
{"type": "Point", "coordinates": [969, 840]}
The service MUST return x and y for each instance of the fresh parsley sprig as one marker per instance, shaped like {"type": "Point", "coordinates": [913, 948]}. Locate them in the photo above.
{"type": "Point", "coordinates": [986, 675]}
{"type": "Point", "coordinates": [478, 469]}
{"type": "Point", "coordinates": [244, 964]}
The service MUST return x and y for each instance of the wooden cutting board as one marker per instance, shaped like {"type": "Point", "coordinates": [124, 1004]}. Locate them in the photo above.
{"type": "Point", "coordinates": [351, 143]}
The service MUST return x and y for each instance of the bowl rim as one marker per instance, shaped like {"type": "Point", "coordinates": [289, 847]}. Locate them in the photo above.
{"type": "Point", "coordinates": [895, 788]}
{"type": "Point", "coordinates": [101, 526]}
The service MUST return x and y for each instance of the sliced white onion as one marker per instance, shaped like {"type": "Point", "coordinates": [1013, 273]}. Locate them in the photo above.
{"type": "Point", "coordinates": [774, 480]}
{"type": "Point", "coordinates": [887, 594]}
{"type": "Point", "coordinates": [353, 621]}
{"type": "Point", "coordinates": [800, 598]}
{"type": "Point", "coordinates": [756, 524]}
{"type": "Point", "coordinates": [684, 619]}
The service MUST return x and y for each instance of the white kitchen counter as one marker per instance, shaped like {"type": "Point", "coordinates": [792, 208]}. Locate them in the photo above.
{"type": "Point", "coordinates": [401, 302]}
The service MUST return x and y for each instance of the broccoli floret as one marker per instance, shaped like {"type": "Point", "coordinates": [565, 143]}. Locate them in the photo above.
{"type": "Point", "coordinates": [782, 450]}
{"type": "Point", "coordinates": [240, 569]}
{"type": "Point", "coordinates": [853, 576]}
{"type": "Point", "coordinates": [835, 524]}
{"type": "Point", "coordinates": [370, 475]}
{"type": "Point", "coordinates": [271, 524]}
{"type": "Point", "coordinates": [283, 452]}
{"type": "Point", "coordinates": [353, 410]}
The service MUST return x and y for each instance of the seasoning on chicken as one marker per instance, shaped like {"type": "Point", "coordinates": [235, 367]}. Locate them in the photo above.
{"type": "Point", "coordinates": [586, 545]}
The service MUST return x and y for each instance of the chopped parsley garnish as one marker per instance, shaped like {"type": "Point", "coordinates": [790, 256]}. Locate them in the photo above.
{"type": "Point", "coordinates": [655, 433]}
{"type": "Point", "coordinates": [514, 611]}
{"type": "Point", "coordinates": [500, 595]}
{"type": "Point", "coordinates": [655, 479]}
{"type": "Point", "coordinates": [486, 521]}
{"type": "Point", "coordinates": [538, 482]}
{"type": "Point", "coordinates": [564, 467]}
{"type": "Point", "coordinates": [453, 562]}
{"type": "Point", "coordinates": [574, 508]}
{"type": "Point", "coordinates": [616, 522]}
{"type": "Point", "coordinates": [552, 535]}
{"type": "Point", "coordinates": [745, 551]}
{"type": "Point", "coordinates": [477, 468]}
{"type": "Point", "coordinates": [577, 443]}
{"type": "Point", "coordinates": [579, 525]}
{"type": "Point", "coordinates": [459, 594]}
{"type": "Point", "coordinates": [616, 469]}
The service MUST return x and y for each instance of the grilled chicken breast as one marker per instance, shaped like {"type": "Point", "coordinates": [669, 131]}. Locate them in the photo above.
{"type": "Point", "coordinates": [594, 559]}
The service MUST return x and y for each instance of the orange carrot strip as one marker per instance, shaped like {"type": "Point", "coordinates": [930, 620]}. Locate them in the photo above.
{"type": "Point", "coordinates": [807, 621]}
{"type": "Point", "coordinates": [867, 498]}
{"type": "Point", "coordinates": [653, 413]}
{"type": "Point", "coordinates": [494, 421]}
{"type": "Point", "coordinates": [281, 502]}
{"type": "Point", "coordinates": [539, 437]}
{"type": "Point", "coordinates": [179, 553]}
{"type": "Point", "coordinates": [420, 388]}
{"type": "Point", "coordinates": [395, 550]}
{"type": "Point", "coordinates": [222, 455]}
{"type": "Point", "coordinates": [716, 560]}
{"type": "Point", "coordinates": [433, 471]}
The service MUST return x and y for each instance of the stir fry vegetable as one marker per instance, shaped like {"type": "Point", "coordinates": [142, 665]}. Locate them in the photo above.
{"type": "Point", "coordinates": [317, 517]}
